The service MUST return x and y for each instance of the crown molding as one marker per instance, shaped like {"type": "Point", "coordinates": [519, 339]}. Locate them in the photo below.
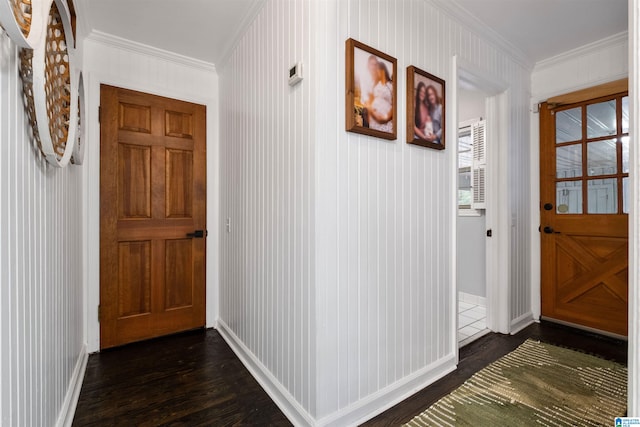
{"type": "Point", "coordinates": [233, 41]}
{"type": "Point", "coordinates": [140, 48]}
{"type": "Point", "coordinates": [472, 23]}
{"type": "Point", "coordinates": [602, 44]}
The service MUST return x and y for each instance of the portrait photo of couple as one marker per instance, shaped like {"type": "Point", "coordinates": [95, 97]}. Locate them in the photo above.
{"type": "Point", "coordinates": [425, 103]}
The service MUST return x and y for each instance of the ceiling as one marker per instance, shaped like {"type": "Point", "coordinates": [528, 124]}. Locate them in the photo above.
{"type": "Point", "coordinates": [200, 29]}
{"type": "Point", "coordinates": [545, 28]}
{"type": "Point", "coordinates": [207, 29]}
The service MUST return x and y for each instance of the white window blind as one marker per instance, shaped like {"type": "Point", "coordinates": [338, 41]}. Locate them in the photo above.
{"type": "Point", "coordinates": [479, 164]}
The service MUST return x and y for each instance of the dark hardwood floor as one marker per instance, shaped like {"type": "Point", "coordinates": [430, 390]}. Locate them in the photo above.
{"type": "Point", "coordinates": [491, 347]}
{"type": "Point", "coordinates": [194, 379]}
{"type": "Point", "coordinates": [189, 379]}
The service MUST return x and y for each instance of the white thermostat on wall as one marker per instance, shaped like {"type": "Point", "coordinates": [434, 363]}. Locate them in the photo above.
{"type": "Point", "coordinates": [295, 74]}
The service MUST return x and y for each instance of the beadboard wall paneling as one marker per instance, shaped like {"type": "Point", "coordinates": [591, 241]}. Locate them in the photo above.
{"type": "Point", "coordinates": [130, 65]}
{"type": "Point", "coordinates": [385, 211]}
{"type": "Point", "coordinates": [267, 195]}
{"type": "Point", "coordinates": [41, 296]}
{"type": "Point", "coordinates": [337, 272]}
{"type": "Point", "coordinates": [600, 62]}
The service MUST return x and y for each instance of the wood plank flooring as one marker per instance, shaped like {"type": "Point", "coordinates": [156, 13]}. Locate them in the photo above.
{"type": "Point", "coordinates": [188, 379]}
{"type": "Point", "coordinates": [194, 379]}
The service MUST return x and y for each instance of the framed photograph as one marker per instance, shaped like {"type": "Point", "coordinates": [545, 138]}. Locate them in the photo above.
{"type": "Point", "coordinates": [371, 89]}
{"type": "Point", "coordinates": [425, 109]}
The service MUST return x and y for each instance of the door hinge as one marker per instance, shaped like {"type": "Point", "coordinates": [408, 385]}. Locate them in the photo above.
{"type": "Point", "coordinates": [99, 313]}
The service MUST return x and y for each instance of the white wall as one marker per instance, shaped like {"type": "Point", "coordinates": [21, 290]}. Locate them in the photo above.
{"type": "Point", "coordinates": [471, 104]}
{"type": "Point", "coordinates": [587, 66]}
{"type": "Point", "coordinates": [386, 211]}
{"type": "Point", "coordinates": [118, 62]}
{"type": "Point", "coordinates": [471, 254]}
{"type": "Point", "coordinates": [471, 230]}
{"type": "Point", "coordinates": [337, 275]}
{"type": "Point", "coordinates": [267, 304]}
{"type": "Point", "coordinates": [42, 356]}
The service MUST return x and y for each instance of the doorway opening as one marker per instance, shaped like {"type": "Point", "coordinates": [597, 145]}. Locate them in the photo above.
{"type": "Point", "coordinates": [471, 221]}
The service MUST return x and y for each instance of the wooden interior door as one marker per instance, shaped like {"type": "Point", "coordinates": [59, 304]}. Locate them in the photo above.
{"type": "Point", "coordinates": [584, 175]}
{"type": "Point", "coordinates": [152, 201]}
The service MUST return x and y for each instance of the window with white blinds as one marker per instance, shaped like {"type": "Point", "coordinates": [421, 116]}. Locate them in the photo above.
{"type": "Point", "coordinates": [478, 168]}
{"type": "Point", "coordinates": [471, 167]}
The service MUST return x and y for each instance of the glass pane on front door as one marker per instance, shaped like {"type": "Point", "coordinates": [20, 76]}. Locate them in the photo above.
{"type": "Point", "coordinates": [602, 158]}
{"type": "Point", "coordinates": [625, 154]}
{"type": "Point", "coordinates": [601, 119]}
{"type": "Point", "coordinates": [625, 114]}
{"type": "Point", "coordinates": [569, 197]}
{"type": "Point", "coordinates": [602, 196]}
{"type": "Point", "coordinates": [569, 125]}
{"type": "Point", "coordinates": [569, 161]}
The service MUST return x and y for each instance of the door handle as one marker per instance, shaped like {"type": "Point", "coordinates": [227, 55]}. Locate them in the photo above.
{"type": "Point", "coordinates": [549, 230]}
{"type": "Point", "coordinates": [198, 234]}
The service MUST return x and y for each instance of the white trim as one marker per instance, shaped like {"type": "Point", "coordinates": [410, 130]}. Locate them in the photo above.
{"type": "Point", "coordinates": [93, 80]}
{"type": "Point", "coordinates": [586, 85]}
{"type": "Point", "coordinates": [140, 48]}
{"type": "Point", "coordinates": [354, 414]}
{"type": "Point", "coordinates": [633, 361]}
{"type": "Point", "coordinates": [594, 48]}
{"type": "Point", "coordinates": [276, 391]}
{"type": "Point", "coordinates": [473, 24]}
{"type": "Point", "coordinates": [469, 212]}
{"type": "Point", "coordinates": [68, 410]}
{"type": "Point", "coordinates": [391, 395]}
{"type": "Point", "coordinates": [597, 46]}
{"type": "Point", "coordinates": [234, 39]}
{"type": "Point", "coordinates": [472, 299]}
{"type": "Point", "coordinates": [497, 214]}
{"type": "Point", "coordinates": [521, 322]}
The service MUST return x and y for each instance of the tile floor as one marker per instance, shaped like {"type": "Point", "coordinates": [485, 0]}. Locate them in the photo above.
{"type": "Point", "coordinates": [471, 322]}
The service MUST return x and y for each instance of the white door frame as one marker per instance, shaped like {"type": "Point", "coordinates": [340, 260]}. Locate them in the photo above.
{"type": "Point", "coordinates": [497, 191]}
{"type": "Point", "coordinates": [91, 192]}
{"type": "Point", "coordinates": [633, 363]}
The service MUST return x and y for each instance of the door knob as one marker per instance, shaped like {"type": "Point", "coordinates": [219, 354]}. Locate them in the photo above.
{"type": "Point", "coordinates": [198, 234]}
{"type": "Point", "coordinates": [548, 206]}
{"type": "Point", "coordinates": [548, 230]}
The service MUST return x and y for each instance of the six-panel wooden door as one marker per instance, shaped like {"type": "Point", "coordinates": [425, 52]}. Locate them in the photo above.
{"type": "Point", "coordinates": [152, 200]}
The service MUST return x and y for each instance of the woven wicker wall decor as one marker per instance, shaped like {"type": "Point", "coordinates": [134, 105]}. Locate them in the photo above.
{"type": "Point", "coordinates": [23, 20]}
{"type": "Point", "coordinates": [78, 149]}
{"type": "Point", "coordinates": [50, 84]}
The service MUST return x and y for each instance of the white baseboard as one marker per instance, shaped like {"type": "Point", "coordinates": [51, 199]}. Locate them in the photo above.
{"type": "Point", "coordinates": [278, 393]}
{"type": "Point", "coordinates": [354, 414]}
{"type": "Point", "coordinates": [68, 410]}
{"type": "Point", "coordinates": [472, 299]}
{"type": "Point", "coordinates": [375, 404]}
{"type": "Point", "coordinates": [521, 322]}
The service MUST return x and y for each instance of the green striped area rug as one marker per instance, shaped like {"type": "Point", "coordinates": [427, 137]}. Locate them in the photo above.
{"type": "Point", "coordinates": [536, 384]}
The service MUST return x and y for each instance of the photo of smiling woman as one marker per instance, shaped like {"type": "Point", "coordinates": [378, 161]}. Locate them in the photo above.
{"type": "Point", "coordinates": [425, 108]}
{"type": "Point", "coordinates": [371, 91]}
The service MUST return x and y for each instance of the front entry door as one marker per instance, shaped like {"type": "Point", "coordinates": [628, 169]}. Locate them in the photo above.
{"type": "Point", "coordinates": [584, 176]}
{"type": "Point", "coordinates": [152, 201]}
